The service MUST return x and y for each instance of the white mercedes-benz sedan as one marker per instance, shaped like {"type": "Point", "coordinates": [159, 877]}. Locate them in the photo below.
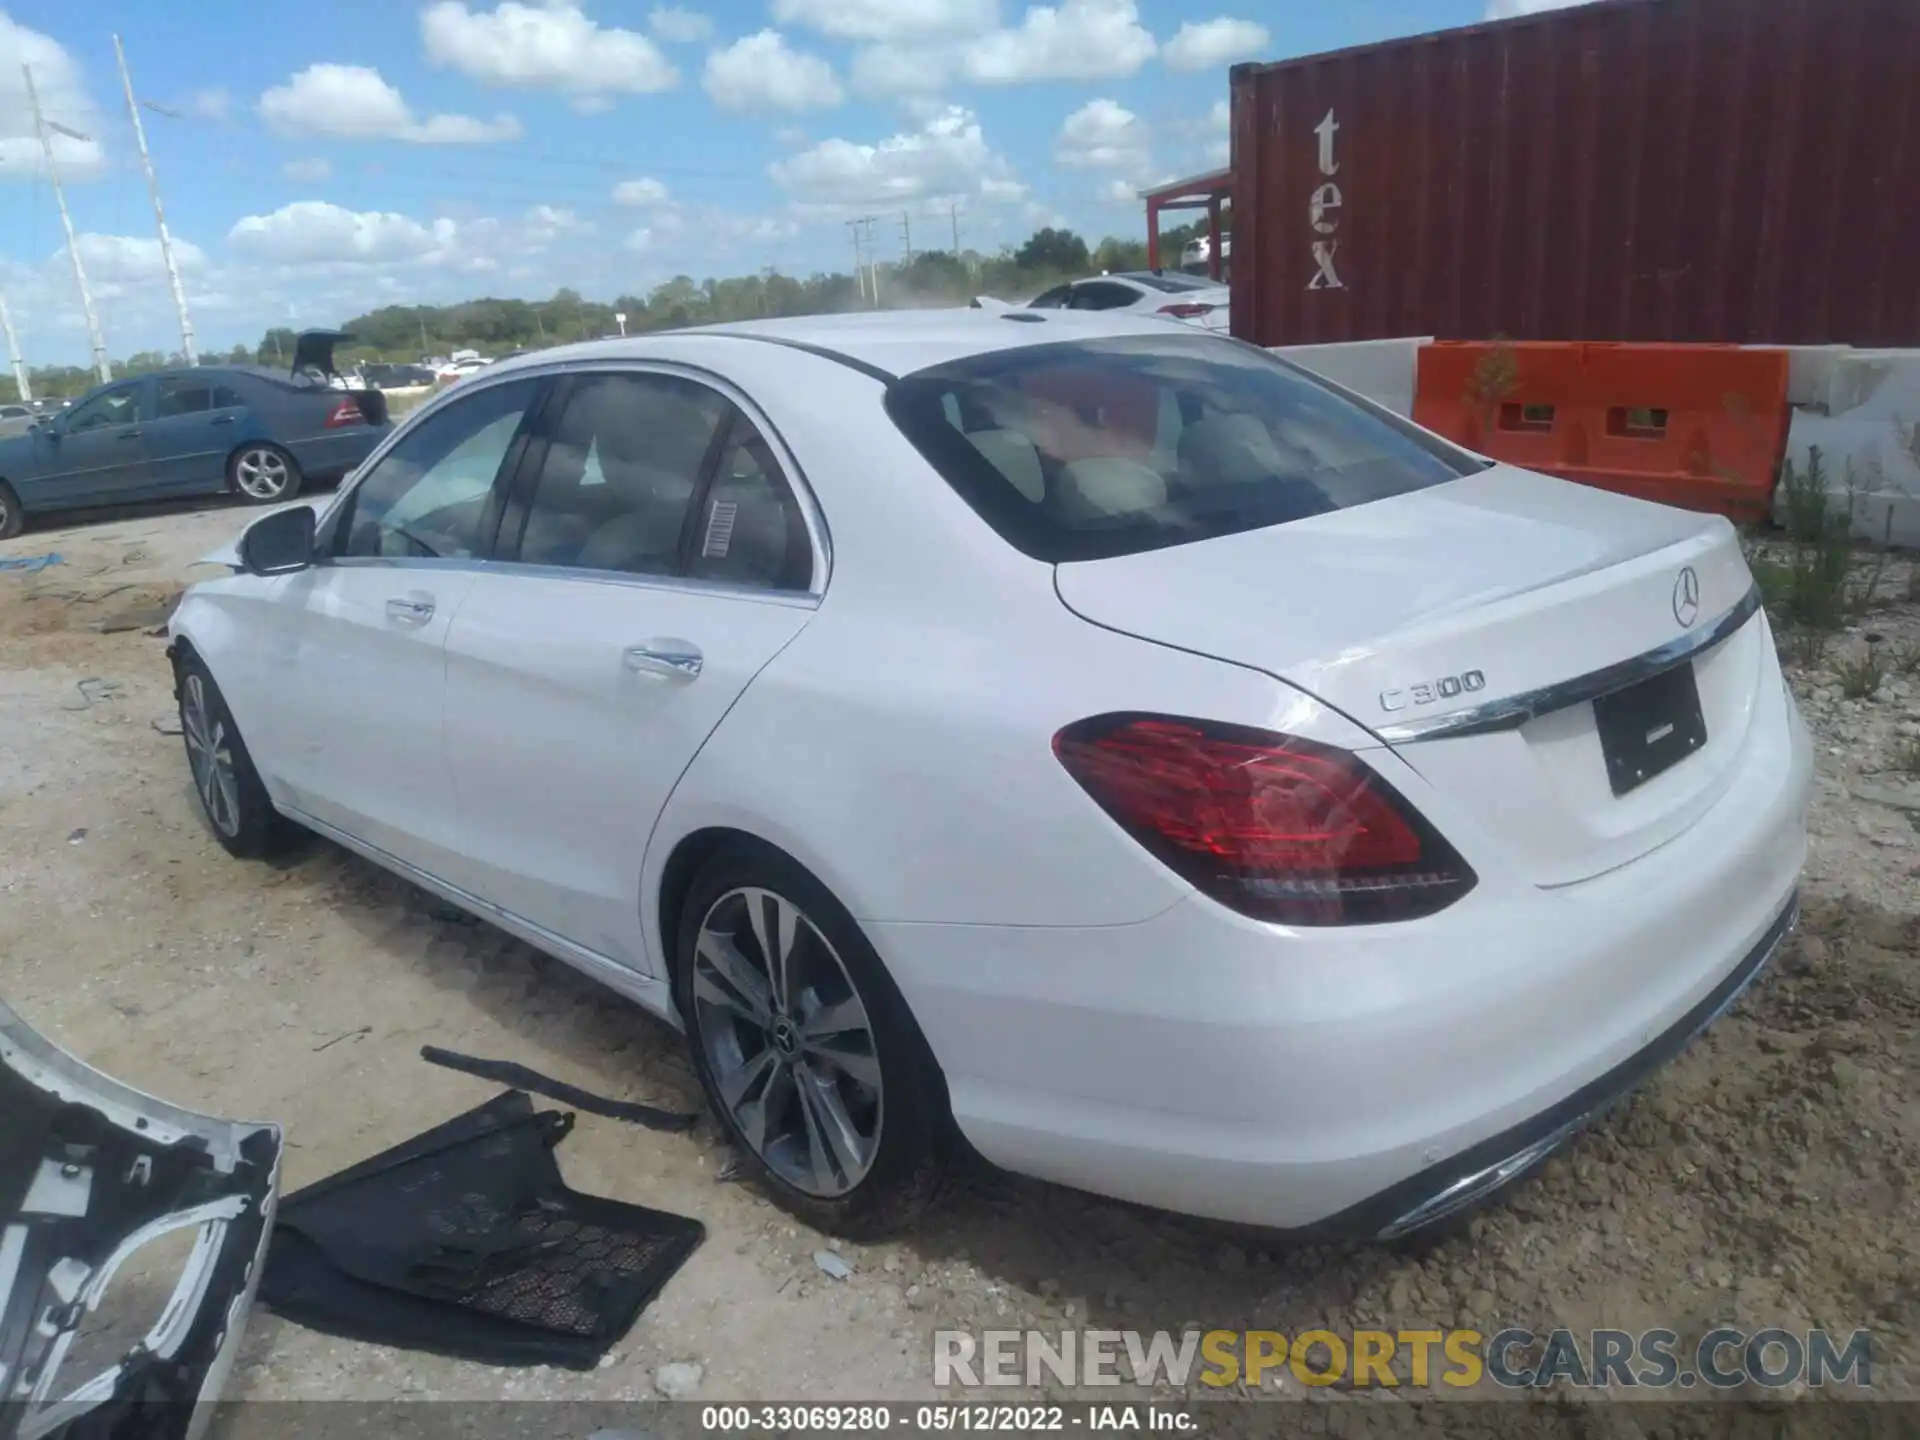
{"type": "Point", "coordinates": [1075, 736]}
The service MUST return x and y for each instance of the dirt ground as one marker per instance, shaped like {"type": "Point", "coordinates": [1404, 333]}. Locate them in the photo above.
{"type": "Point", "coordinates": [1765, 1179]}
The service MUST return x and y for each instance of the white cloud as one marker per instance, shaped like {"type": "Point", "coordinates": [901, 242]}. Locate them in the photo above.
{"type": "Point", "coordinates": [1120, 192]}
{"type": "Point", "coordinates": [313, 232]}
{"type": "Point", "coordinates": [1207, 44]}
{"type": "Point", "coordinates": [1102, 135]}
{"type": "Point", "coordinates": [890, 19]}
{"type": "Point", "coordinates": [644, 191]}
{"type": "Point", "coordinates": [1507, 9]}
{"type": "Point", "coordinates": [896, 70]}
{"type": "Point", "coordinates": [678, 26]}
{"type": "Point", "coordinates": [115, 258]}
{"type": "Point", "coordinates": [213, 104]}
{"type": "Point", "coordinates": [1219, 120]}
{"type": "Point", "coordinates": [947, 159]}
{"type": "Point", "coordinates": [546, 223]}
{"type": "Point", "coordinates": [309, 171]}
{"type": "Point", "coordinates": [552, 46]}
{"type": "Point", "coordinates": [1076, 40]}
{"type": "Point", "coordinates": [353, 102]}
{"type": "Point", "coordinates": [762, 72]}
{"type": "Point", "coordinates": [64, 100]}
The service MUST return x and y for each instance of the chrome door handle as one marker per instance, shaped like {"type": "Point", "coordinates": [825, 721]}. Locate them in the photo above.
{"type": "Point", "coordinates": [412, 610]}
{"type": "Point", "coordinates": [675, 659]}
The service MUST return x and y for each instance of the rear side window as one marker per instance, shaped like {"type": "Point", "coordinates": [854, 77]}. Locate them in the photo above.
{"type": "Point", "coordinates": [1099, 295]}
{"type": "Point", "coordinates": [181, 397]}
{"type": "Point", "coordinates": [750, 530]}
{"type": "Point", "coordinates": [1089, 449]}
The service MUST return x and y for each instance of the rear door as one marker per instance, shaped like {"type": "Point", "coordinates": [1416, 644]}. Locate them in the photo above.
{"type": "Point", "coordinates": [655, 557]}
{"type": "Point", "coordinates": [356, 669]}
{"type": "Point", "coordinates": [196, 418]}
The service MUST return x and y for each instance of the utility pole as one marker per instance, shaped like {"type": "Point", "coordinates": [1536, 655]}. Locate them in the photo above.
{"type": "Point", "coordinates": [21, 380]}
{"type": "Point", "coordinates": [954, 210]}
{"type": "Point", "coordinates": [906, 235]}
{"type": "Point", "coordinates": [100, 366]}
{"type": "Point", "coordinates": [159, 213]}
{"type": "Point", "coordinates": [873, 265]}
{"type": "Point", "coordinates": [859, 270]}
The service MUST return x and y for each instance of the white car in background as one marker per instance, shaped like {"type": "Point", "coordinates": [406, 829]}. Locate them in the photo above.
{"type": "Point", "coordinates": [461, 368]}
{"type": "Point", "coordinates": [1163, 293]}
{"type": "Point", "coordinates": [1099, 737]}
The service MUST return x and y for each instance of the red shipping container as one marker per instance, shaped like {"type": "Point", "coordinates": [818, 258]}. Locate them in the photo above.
{"type": "Point", "coordinates": [1739, 171]}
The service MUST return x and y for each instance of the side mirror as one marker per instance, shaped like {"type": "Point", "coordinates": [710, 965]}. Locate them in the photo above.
{"type": "Point", "coordinates": [280, 543]}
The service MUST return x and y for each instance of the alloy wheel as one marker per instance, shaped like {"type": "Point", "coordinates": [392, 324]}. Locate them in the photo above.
{"type": "Point", "coordinates": [788, 1042]}
{"type": "Point", "coordinates": [261, 473]}
{"type": "Point", "coordinates": [210, 757]}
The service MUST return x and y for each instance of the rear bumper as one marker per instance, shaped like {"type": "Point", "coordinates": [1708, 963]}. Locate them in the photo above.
{"type": "Point", "coordinates": [1365, 1079]}
{"type": "Point", "coordinates": [1481, 1170]}
{"type": "Point", "coordinates": [340, 452]}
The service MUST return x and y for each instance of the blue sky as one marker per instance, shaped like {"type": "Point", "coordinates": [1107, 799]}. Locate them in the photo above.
{"type": "Point", "coordinates": [318, 161]}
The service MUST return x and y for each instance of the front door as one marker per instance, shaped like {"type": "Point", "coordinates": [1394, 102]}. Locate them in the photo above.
{"type": "Point", "coordinates": [662, 562]}
{"type": "Point", "coordinates": [94, 456]}
{"type": "Point", "coordinates": [361, 669]}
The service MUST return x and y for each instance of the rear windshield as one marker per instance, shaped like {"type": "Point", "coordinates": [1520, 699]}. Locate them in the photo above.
{"type": "Point", "coordinates": [1095, 448]}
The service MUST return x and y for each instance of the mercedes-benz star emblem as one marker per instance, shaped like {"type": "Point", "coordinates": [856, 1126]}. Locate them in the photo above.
{"type": "Point", "coordinates": [1686, 598]}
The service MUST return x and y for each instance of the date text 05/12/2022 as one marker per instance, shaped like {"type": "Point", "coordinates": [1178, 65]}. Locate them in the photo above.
{"type": "Point", "coordinates": [946, 1418]}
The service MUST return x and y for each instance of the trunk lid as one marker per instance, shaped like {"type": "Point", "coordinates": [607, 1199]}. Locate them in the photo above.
{"type": "Point", "coordinates": [1410, 612]}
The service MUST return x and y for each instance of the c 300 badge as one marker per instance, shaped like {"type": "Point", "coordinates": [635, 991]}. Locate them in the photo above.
{"type": "Point", "coordinates": [1447, 687]}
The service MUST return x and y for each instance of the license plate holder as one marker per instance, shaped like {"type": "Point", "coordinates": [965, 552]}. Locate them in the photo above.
{"type": "Point", "coordinates": [1649, 727]}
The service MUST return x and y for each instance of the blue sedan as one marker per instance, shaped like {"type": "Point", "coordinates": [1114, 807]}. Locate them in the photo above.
{"type": "Point", "coordinates": [255, 433]}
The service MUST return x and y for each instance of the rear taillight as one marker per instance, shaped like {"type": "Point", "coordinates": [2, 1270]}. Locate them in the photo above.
{"type": "Point", "coordinates": [347, 412]}
{"type": "Point", "coordinates": [1187, 310]}
{"type": "Point", "coordinates": [1275, 827]}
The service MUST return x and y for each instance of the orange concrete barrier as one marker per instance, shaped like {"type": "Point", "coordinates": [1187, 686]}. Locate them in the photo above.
{"type": "Point", "coordinates": [1703, 427]}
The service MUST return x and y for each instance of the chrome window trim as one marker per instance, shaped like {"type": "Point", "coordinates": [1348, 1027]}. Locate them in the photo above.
{"type": "Point", "coordinates": [820, 538]}
{"type": "Point", "coordinates": [1516, 710]}
{"type": "Point", "coordinates": [676, 584]}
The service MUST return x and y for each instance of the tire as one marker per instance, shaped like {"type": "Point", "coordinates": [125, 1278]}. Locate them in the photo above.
{"type": "Point", "coordinates": [865, 1074]}
{"type": "Point", "coordinates": [261, 473]}
{"type": "Point", "coordinates": [232, 798]}
{"type": "Point", "coordinates": [12, 519]}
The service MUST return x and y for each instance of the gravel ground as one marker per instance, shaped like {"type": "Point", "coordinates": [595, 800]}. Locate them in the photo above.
{"type": "Point", "coordinates": [1764, 1179]}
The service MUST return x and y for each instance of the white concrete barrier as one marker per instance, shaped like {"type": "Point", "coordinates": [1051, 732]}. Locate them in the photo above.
{"type": "Point", "coordinates": [1384, 371]}
{"type": "Point", "coordinates": [1867, 429]}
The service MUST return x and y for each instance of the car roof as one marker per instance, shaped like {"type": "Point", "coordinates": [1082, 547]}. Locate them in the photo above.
{"type": "Point", "coordinates": [885, 343]}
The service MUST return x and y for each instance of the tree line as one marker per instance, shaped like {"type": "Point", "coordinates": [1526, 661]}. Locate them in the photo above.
{"type": "Point", "coordinates": [409, 333]}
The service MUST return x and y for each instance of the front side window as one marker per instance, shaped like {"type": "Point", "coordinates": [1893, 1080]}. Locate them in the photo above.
{"type": "Point", "coordinates": [427, 497]}
{"type": "Point", "coordinates": [1087, 449]}
{"type": "Point", "coordinates": [111, 407]}
{"type": "Point", "coordinates": [622, 465]}
{"type": "Point", "coordinates": [1052, 299]}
